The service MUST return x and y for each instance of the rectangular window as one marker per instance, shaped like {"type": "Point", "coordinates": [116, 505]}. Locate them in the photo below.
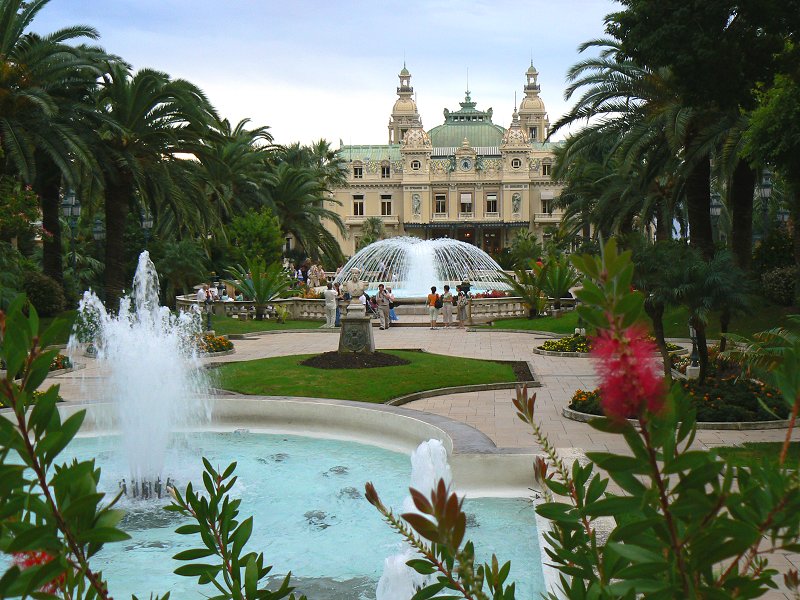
{"type": "Point", "coordinates": [358, 172]}
{"type": "Point", "coordinates": [441, 204]}
{"type": "Point", "coordinates": [532, 135]}
{"type": "Point", "coordinates": [385, 172]}
{"type": "Point", "coordinates": [466, 202]}
{"type": "Point", "coordinates": [358, 205]}
{"type": "Point", "coordinates": [546, 169]}
{"type": "Point", "coordinates": [546, 208]}
{"type": "Point", "coordinates": [386, 205]}
{"type": "Point", "coordinates": [491, 203]}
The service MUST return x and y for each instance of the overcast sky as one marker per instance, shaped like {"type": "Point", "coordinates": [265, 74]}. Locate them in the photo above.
{"type": "Point", "coordinates": [312, 69]}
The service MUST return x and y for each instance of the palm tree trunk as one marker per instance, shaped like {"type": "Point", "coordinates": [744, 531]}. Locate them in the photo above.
{"type": "Point", "coordinates": [794, 206]}
{"type": "Point", "coordinates": [656, 314]}
{"type": "Point", "coordinates": [702, 348]}
{"type": "Point", "coordinates": [48, 188]}
{"type": "Point", "coordinates": [117, 203]}
{"type": "Point", "coordinates": [743, 184]}
{"type": "Point", "coordinates": [724, 323]}
{"type": "Point", "coordinates": [698, 207]}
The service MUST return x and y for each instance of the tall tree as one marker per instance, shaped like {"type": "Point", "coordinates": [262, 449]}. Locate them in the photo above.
{"type": "Point", "coordinates": [44, 87]}
{"type": "Point", "coordinates": [150, 120]}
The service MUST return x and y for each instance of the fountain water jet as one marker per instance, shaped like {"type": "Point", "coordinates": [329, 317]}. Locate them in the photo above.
{"type": "Point", "coordinates": [428, 466]}
{"type": "Point", "coordinates": [154, 377]}
{"type": "Point", "coordinates": [411, 266]}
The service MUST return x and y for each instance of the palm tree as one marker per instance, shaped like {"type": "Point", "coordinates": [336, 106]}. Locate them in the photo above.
{"type": "Point", "coordinates": [372, 230]}
{"type": "Point", "coordinates": [298, 198]}
{"type": "Point", "coordinates": [261, 283]}
{"type": "Point", "coordinates": [529, 285]}
{"type": "Point", "coordinates": [44, 89]}
{"type": "Point", "coordinates": [231, 166]}
{"type": "Point", "coordinates": [150, 120]}
{"type": "Point", "coordinates": [559, 277]}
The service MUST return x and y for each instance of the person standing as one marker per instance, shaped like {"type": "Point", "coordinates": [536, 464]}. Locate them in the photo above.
{"type": "Point", "coordinates": [383, 306]}
{"type": "Point", "coordinates": [392, 314]}
{"type": "Point", "coordinates": [461, 306]}
{"type": "Point", "coordinates": [447, 307]}
{"type": "Point", "coordinates": [330, 306]}
{"type": "Point", "coordinates": [340, 302]}
{"type": "Point", "coordinates": [433, 306]}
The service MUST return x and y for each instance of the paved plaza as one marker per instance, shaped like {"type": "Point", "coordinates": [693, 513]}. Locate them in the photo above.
{"type": "Point", "coordinates": [491, 412]}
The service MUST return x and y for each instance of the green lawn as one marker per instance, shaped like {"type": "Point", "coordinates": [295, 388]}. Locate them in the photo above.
{"type": "Point", "coordinates": [226, 325]}
{"type": "Point", "coordinates": [676, 321]}
{"type": "Point", "coordinates": [751, 452]}
{"type": "Point", "coordinates": [285, 376]}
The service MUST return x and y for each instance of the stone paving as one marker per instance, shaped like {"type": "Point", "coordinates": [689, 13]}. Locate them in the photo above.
{"type": "Point", "coordinates": [491, 412]}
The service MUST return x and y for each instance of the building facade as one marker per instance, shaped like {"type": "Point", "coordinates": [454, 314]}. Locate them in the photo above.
{"type": "Point", "coordinates": [468, 178]}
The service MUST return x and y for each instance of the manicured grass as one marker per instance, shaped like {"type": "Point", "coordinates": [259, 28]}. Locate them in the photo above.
{"type": "Point", "coordinates": [759, 452]}
{"type": "Point", "coordinates": [563, 324]}
{"type": "Point", "coordinates": [676, 320]}
{"type": "Point", "coordinates": [226, 325]}
{"type": "Point", "coordinates": [285, 376]}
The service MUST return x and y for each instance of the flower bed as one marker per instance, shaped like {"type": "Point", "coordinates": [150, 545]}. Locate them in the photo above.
{"type": "Point", "coordinates": [717, 366]}
{"type": "Point", "coordinates": [491, 294]}
{"type": "Point", "coordinates": [718, 400]}
{"type": "Point", "coordinates": [61, 361]}
{"type": "Point", "coordinates": [573, 343]}
{"type": "Point", "coordinates": [208, 344]}
{"type": "Point", "coordinates": [583, 345]}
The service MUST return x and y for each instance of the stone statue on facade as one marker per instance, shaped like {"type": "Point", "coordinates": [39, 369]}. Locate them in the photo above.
{"type": "Point", "coordinates": [516, 203]}
{"type": "Point", "coordinates": [416, 204]}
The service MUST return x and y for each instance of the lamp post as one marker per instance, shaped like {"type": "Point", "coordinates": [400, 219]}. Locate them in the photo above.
{"type": "Point", "coordinates": [71, 209]}
{"type": "Point", "coordinates": [98, 230]}
{"type": "Point", "coordinates": [716, 211]}
{"type": "Point", "coordinates": [693, 369]}
{"type": "Point", "coordinates": [765, 191]}
{"type": "Point", "coordinates": [147, 225]}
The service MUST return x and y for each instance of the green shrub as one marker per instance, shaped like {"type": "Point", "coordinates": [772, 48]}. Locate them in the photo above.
{"type": "Point", "coordinates": [778, 285]}
{"type": "Point", "coordinates": [44, 293]}
{"type": "Point", "coordinates": [775, 251]}
{"type": "Point", "coordinates": [727, 400]}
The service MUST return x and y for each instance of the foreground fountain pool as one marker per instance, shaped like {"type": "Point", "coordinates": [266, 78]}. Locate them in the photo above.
{"type": "Point", "coordinates": [306, 496]}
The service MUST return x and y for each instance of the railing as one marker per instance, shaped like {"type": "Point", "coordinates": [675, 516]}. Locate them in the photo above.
{"type": "Point", "coordinates": [482, 310]}
{"type": "Point", "coordinates": [304, 309]}
{"type": "Point", "coordinates": [547, 217]}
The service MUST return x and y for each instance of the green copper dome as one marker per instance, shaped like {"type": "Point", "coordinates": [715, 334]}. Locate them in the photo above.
{"type": "Point", "coordinates": [467, 122]}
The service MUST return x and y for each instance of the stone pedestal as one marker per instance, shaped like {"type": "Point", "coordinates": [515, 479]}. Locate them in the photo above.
{"type": "Point", "coordinates": [356, 333]}
{"type": "Point", "coordinates": [692, 372]}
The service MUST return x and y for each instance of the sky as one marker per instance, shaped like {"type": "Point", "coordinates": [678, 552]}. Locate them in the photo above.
{"type": "Point", "coordinates": [328, 69]}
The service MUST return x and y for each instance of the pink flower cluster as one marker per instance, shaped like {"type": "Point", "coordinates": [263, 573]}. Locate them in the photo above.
{"type": "Point", "coordinates": [32, 558]}
{"type": "Point", "coordinates": [630, 378]}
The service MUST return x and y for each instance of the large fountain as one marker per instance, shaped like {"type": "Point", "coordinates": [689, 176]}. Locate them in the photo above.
{"type": "Point", "coordinates": [153, 376]}
{"type": "Point", "coordinates": [411, 266]}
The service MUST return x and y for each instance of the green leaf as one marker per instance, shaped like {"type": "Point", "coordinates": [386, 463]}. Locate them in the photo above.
{"type": "Point", "coordinates": [428, 592]}
{"type": "Point", "coordinates": [103, 535]}
{"type": "Point", "coordinates": [193, 554]}
{"type": "Point", "coordinates": [188, 529]}
{"type": "Point", "coordinates": [241, 535]}
{"type": "Point", "coordinates": [250, 578]}
{"type": "Point", "coordinates": [421, 566]}
{"type": "Point", "coordinates": [198, 569]}
{"type": "Point", "coordinates": [635, 553]}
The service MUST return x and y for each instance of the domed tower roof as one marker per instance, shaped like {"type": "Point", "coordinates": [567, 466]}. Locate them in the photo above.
{"type": "Point", "coordinates": [404, 112]}
{"type": "Point", "coordinates": [515, 135]}
{"type": "Point", "coordinates": [532, 113]}
{"type": "Point", "coordinates": [467, 122]}
{"type": "Point", "coordinates": [416, 138]}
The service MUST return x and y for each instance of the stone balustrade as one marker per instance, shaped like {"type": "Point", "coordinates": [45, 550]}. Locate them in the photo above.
{"type": "Point", "coordinates": [309, 309]}
{"type": "Point", "coordinates": [480, 310]}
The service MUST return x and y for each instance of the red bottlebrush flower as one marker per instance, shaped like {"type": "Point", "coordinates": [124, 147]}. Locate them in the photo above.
{"type": "Point", "coordinates": [630, 378]}
{"type": "Point", "coordinates": [33, 558]}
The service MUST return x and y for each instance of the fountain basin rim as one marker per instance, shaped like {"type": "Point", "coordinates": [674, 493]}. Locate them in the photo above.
{"type": "Point", "coordinates": [480, 468]}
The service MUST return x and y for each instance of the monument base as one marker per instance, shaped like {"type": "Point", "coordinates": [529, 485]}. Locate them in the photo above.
{"type": "Point", "coordinates": [356, 335]}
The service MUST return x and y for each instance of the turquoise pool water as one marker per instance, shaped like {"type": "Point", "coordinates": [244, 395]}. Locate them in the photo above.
{"type": "Point", "coordinates": [310, 516]}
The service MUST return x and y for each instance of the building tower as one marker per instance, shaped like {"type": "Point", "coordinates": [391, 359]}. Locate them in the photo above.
{"type": "Point", "coordinates": [532, 115]}
{"type": "Point", "coordinates": [404, 114]}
